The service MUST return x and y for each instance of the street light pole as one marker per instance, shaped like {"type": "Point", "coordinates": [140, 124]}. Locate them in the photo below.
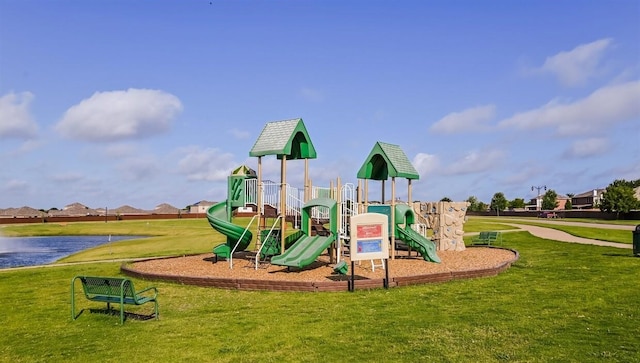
{"type": "Point", "coordinates": [538, 207]}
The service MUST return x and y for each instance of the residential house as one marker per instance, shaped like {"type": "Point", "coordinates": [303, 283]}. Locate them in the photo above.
{"type": "Point", "coordinates": [74, 210]}
{"type": "Point", "coordinates": [166, 208]}
{"type": "Point", "coordinates": [22, 212]}
{"type": "Point", "coordinates": [200, 207]}
{"type": "Point", "coordinates": [536, 203]}
{"type": "Point", "coordinates": [129, 210]}
{"type": "Point", "coordinates": [588, 200]}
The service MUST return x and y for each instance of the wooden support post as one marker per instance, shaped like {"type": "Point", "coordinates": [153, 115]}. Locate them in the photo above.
{"type": "Point", "coordinates": [283, 201]}
{"type": "Point", "coordinates": [259, 202]}
{"type": "Point", "coordinates": [359, 202]}
{"type": "Point", "coordinates": [366, 195]}
{"type": "Point", "coordinates": [336, 244]}
{"type": "Point", "coordinates": [393, 218]}
{"type": "Point", "coordinates": [306, 181]}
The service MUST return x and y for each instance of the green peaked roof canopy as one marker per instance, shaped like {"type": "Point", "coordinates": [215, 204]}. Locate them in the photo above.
{"type": "Point", "coordinates": [387, 160]}
{"type": "Point", "coordinates": [288, 137]}
{"type": "Point", "coordinates": [244, 170]}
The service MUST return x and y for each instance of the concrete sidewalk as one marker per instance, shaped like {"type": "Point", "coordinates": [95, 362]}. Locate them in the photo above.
{"type": "Point", "coordinates": [556, 235]}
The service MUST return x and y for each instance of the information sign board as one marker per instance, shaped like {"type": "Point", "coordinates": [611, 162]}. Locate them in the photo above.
{"type": "Point", "coordinates": [369, 237]}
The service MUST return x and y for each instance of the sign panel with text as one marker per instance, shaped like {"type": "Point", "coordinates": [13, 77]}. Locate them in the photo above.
{"type": "Point", "coordinates": [369, 237]}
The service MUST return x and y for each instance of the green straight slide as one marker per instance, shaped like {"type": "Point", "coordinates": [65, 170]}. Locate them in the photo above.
{"type": "Point", "coordinates": [416, 241]}
{"type": "Point", "coordinates": [217, 217]}
{"type": "Point", "coordinates": [303, 252]}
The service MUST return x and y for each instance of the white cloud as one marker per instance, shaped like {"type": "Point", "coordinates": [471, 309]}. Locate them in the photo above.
{"type": "Point", "coordinates": [586, 148]}
{"type": "Point", "coordinates": [575, 67]}
{"type": "Point", "coordinates": [118, 115]}
{"type": "Point", "coordinates": [15, 118]}
{"type": "Point", "coordinates": [206, 164]}
{"type": "Point", "coordinates": [475, 162]}
{"type": "Point", "coordinates": [469, 120]}
{"type": "Point", "coordinates": [425, 164]}
{"type": "Point", "coordinates": [603, 108]}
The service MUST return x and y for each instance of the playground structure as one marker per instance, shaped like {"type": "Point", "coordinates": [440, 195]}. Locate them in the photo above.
{"type": "Point", "coordinates": [311, 209]}
{"type": "Point", "coordinates": [446, 219]}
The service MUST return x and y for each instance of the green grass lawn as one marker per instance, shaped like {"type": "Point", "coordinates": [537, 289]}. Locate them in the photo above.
{"type": "Point", "coordinates": [560, 302]}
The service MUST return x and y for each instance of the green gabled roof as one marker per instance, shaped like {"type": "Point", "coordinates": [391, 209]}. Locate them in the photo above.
{"type": "Point", "coordinates": [288, 137]}
{"type": "Point", "coordinates": [244, 170]}
{"type": "Point", "coordinates": [387, 160]}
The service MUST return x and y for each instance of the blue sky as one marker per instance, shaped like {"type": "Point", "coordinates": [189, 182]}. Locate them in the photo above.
{"type": "Point", "coordinates": [109, 103]}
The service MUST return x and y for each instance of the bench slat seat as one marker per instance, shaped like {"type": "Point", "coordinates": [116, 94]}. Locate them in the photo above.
{"type": "Point", "coordinates": [113, 290]}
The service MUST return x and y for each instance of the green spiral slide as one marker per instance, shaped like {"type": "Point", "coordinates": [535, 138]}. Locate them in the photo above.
{"type": "Point", "coordinates": [218, 219]}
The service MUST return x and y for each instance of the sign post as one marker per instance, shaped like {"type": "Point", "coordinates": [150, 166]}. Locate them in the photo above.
{"type": "Point", "coordinates": [369, 241]}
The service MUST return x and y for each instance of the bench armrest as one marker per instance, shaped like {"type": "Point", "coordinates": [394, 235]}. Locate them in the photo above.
{"type": "Point", "coordinates": [155, 291]}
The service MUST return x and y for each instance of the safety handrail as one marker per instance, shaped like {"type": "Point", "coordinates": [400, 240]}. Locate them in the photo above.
{"type": "Point", "coordinates": [271, 195]}
{"type": "Point", "coordinates": [420, 228]}
{"type": "Point", "coordinates": [238, 242]}
{"type": "Point", "coordinates": [266, 239]}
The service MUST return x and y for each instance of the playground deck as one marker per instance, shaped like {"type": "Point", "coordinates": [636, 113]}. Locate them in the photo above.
{"type": "Point", "coordinates": [319, 276]}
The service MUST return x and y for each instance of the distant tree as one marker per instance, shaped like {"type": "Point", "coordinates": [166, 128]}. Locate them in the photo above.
{"type": "Point", "coordinates": [568, 205]}
{"type": "Point", "coordinates": [550, 200]}
{"type": "Point", "coordinates": [482, 206]}
{"type": "Point", "coordinates": [619, 197]}
{"type": "Point", "coordinates": [445, 199]}
{"type": "Point", "coordinates": [517, 203]}
{"type": "Point", "coordinates": [475, 205]}
{"type": "Point", "coordinates": [498, 202]}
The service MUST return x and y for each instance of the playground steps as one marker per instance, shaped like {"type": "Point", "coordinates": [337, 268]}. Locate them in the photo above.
{"type": "Point", "coordinates": [318, 228]}
{"type": "Point", "coordinates": [270, 211]}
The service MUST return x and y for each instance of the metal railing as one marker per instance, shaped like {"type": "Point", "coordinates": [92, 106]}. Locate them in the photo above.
{"type": "Point", "coordinates": [238, 242]}
{"type": "Point", "coordinates": [257, 261]}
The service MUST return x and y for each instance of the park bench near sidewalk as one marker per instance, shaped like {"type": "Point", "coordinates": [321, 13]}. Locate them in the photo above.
{"type": "Point", "coordinates": [113, 290]}
{"type": "Point", "coordinates": [487, 238]}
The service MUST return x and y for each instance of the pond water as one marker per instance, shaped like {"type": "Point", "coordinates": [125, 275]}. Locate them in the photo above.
{"type": "Point", "coordinates": [32, 251]}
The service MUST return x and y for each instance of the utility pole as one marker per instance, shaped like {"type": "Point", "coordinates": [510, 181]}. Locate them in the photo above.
{"type": "Point", "coordinates": [538, 206]}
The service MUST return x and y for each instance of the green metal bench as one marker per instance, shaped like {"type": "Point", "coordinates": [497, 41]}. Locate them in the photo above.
{"type": "Point", "coordinates": [113, 290]}
{"type": "Point", "coordinates": [487, 238]}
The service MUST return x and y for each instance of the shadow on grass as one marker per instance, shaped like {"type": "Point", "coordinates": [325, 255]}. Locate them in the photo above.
{"type": "Point", "coordinates": [114, 312]}
{"type": "Point", "coordinates": [620, 255]}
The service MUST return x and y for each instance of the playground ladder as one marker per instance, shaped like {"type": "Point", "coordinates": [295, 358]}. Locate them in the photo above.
{"type": "Point", "coordinates": [374, 265]}
{"type": "Point", "coordinates": [238, 242]}
{"type": "Point", "coordinates": [257, 259]}
{"type": "Point", "coordinates": [349, 208]}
